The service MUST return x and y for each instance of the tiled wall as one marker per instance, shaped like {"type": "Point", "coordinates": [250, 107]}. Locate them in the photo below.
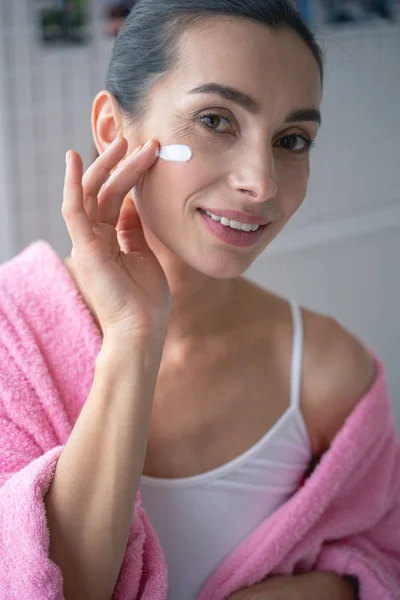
{"type": "Point", "coordinates": [47, 94]}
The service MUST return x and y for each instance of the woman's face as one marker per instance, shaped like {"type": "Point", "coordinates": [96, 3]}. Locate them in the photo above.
{"type": "Point", "coordinates": [250, 152]}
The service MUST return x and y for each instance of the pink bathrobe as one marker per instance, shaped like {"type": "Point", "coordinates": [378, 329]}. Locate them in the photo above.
{"type": "Point", "coordinates": [345, 518]}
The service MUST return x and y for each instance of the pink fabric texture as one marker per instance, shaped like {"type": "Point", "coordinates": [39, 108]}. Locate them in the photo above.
{"type": "Point", "coordinates": [345, 518]}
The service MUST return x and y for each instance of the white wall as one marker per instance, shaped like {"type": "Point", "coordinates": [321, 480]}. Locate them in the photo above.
{"type": "Point", "coordinates": [339, 255]}
{"type": "Point", "coordinates": [355, 279]}
{"type": "Point", "coordinates": [47, 92]}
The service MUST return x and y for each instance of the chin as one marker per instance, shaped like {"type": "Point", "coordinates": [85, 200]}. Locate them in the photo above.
{"type": "Point", "coordinates": [216, 262]}
{"type": "Point", "coordinates": [221, 267]}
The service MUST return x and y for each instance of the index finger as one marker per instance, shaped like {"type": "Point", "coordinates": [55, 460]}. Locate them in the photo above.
{"type": "Point", "coordinates": [98, 172]}
{"type": "Point", "coordinates": [122, 181]}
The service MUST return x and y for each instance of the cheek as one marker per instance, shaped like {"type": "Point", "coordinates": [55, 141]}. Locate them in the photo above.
{"type": "Point", "coordinates": [173, 184]}
{"type": "Point", "coordinates": [293, 182]}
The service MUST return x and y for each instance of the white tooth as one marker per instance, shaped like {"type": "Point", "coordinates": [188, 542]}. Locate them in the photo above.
{"type": "Point", "coordinates": [213, 217]}
{"type": "Point", "coordinates": [235, 225]}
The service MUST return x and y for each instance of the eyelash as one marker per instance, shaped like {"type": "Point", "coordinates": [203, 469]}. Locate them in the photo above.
{"type": "Point", "coordinates": [309, 143]}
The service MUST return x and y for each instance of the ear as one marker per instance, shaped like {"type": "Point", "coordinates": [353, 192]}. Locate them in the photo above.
{"type": "Point", "coordinates": [106, 120]}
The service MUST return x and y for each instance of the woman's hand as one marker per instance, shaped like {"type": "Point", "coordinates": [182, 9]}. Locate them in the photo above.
{"type": "Point", "coordinates": [310, 586]}
{"type": "Point", "coordinates": [123, 279]}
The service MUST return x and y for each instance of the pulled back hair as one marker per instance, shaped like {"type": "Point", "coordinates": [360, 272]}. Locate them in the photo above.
{"type": "Point", "coordinates": [146, 47]}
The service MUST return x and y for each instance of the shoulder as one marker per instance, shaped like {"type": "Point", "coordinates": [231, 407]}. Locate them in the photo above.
{"type": "Point", "coordinates": [337, 372]}
{"type": "Point", "coordinates": [337, 368]}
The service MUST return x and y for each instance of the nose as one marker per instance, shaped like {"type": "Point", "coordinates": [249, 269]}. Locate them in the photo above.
{"type": "Point", "coordinates": [255, 175]}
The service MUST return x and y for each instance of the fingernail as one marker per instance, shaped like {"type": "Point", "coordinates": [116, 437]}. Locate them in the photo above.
{"type": "Point", "coordinates": [67, 157]}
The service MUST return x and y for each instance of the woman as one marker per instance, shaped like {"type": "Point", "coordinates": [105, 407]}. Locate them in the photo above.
{"type": "Point", "coordinates": [184, 381]}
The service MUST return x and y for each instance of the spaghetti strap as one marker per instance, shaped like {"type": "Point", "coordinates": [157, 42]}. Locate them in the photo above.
{"type": "Point", "coordinates": [297, 355]}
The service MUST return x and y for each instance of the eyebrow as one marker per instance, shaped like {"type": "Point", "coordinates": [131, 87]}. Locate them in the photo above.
{"type": "Point", "coordinates": [305, 114]}
{"type": "Point", "coordinates": [251, 105]}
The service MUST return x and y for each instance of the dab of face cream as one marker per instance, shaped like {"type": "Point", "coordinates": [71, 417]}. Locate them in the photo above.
{"type": "Point", "coordinates": [175, 153]}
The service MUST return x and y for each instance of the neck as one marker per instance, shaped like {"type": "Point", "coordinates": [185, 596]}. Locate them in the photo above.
{"type": "Point", "coordinates": [200, 305]}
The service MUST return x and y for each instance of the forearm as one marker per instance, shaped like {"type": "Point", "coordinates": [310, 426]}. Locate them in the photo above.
{"type": "Point", "coordinates": [91, 500]}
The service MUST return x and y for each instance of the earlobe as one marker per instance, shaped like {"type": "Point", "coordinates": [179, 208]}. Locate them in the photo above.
{"type": "Point", "coordinates": [106, 120]}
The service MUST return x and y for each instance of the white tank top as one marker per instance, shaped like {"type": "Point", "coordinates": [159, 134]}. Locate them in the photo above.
{"type": "Point", "coordinates": [200, 520]}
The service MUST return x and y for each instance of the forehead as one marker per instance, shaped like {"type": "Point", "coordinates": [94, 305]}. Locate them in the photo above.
{"type": "Point", "coordinates": [265, 63]}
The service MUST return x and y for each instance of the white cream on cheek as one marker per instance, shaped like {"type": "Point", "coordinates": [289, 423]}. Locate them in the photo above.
{"type": "Point", "coordinates": [175, 153]}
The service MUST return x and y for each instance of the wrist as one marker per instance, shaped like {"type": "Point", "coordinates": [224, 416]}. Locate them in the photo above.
{"type": "Point", "coordinates": [129, 354]}
{"type": "Point", "coordinates": [134, 339]}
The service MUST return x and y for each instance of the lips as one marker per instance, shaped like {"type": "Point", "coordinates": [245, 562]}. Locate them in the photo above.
{"type": "Point", "coordinates": [231, 236]}
{"type": "Point", "coordinates": [234, 215]}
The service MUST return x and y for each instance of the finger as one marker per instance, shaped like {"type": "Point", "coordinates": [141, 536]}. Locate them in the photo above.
{"type": "Point", "coordinates": [73, 211]}
{"type": "Point", "coordinates": [122, 181]}
{"type": "Point", "coordinates": [128, 216]}
{"type": "Point", "coordinates": [130, 230]}
{"type": "Point", "coordinates": [119, 168]}
{"type": "Point", "coordinates": [98, 173]}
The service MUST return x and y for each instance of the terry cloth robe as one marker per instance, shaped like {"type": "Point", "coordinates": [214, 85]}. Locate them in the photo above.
{"type": "Point", "coordinates": [345, 517]}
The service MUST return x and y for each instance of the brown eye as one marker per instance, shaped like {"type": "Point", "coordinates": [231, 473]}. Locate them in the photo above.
{"type": "Point", "coordinates": [215, 122]}
{"type": "Point", "coordinates": [295, 143]}
{"type": "Point", "coordinates": [212, 122]}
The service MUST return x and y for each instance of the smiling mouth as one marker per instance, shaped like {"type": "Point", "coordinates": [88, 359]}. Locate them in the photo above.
{"type": "Point", "coordinates": [229, 219]}
{"type": "Point", "coordinates": [233, 236]}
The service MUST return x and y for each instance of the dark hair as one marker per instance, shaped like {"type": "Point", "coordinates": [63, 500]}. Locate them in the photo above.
{"type": "Point", "coordinates": [146, 47]}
